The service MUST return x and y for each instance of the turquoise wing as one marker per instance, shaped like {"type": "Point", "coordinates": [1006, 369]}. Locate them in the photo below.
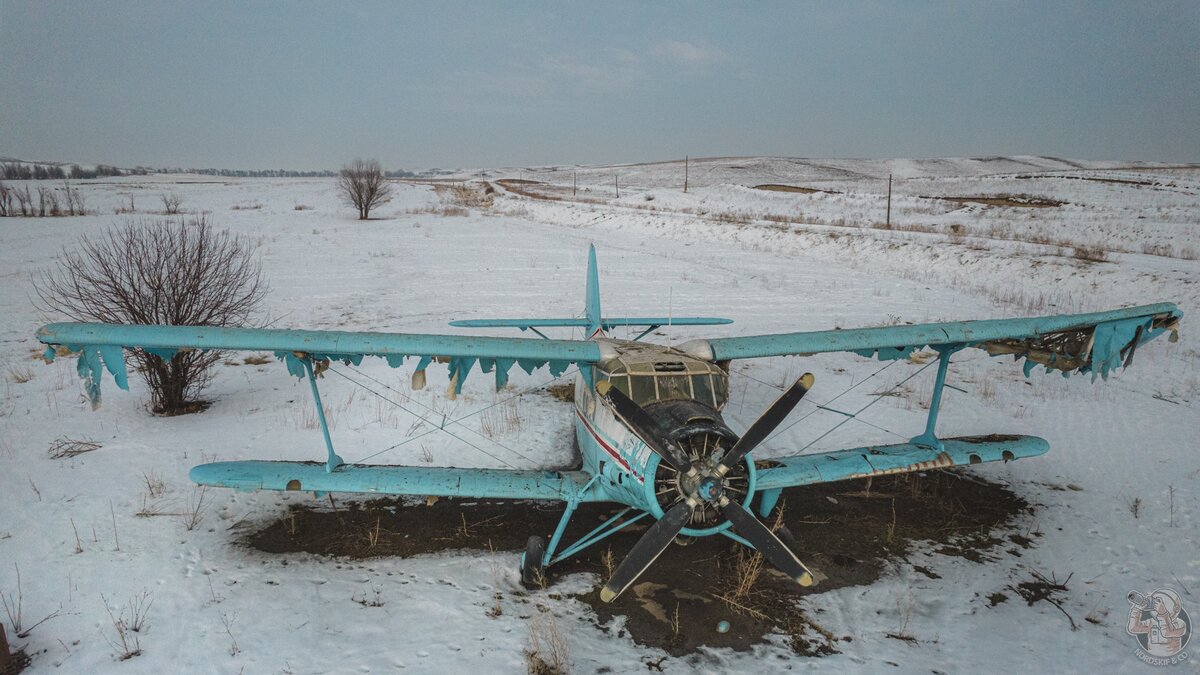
{"type": "Point", "coordinates": [1093, 343]}
{"type": "Point", "coordinates": [396, 480]}
{"type": "Point", "coordinates": [881, 460]}
{"type": "Point", "coordinates": [102, 346]}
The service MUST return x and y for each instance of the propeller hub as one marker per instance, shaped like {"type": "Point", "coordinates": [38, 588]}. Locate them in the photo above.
{"type": "Point", "coordinates": [710, 489]}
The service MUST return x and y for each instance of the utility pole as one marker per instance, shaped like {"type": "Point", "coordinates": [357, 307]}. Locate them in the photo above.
{"type": "Point", "coordinates": [617, 185]}
{"type": "Point", "coordinates": [889, 205]}
{"type": "Point", "coordinates": [685, 172]}
{"type": "Point", "coordinates": [574, 183]}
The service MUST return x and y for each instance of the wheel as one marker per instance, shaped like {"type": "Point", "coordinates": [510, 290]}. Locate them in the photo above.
{"type": "Point", "coordinates": [785, 535]}
{"type": "Point", "coordinates": [532, 571]}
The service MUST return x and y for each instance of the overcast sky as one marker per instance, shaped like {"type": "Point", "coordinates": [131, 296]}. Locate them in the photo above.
{"type": "Point", "coordinates": [443, 84]}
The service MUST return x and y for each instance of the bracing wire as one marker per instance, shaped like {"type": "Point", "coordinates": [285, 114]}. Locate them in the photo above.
{"type": "Point", "coordinates": [442, 426]}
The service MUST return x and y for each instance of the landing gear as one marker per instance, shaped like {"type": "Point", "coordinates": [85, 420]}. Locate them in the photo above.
{"type": "Point", "coordinates": [532, 570]}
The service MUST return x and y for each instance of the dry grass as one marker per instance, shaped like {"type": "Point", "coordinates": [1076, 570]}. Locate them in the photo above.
{"type": "Point", "coordinates": [20, 374]}
{"type": "Point", "coordinates": [194, 515]}
{"type": "Point", "coordinates": [257, 360]}
{"type": "Point", "coordinates": [547, 653]}
{"type": "Point", "coordinates": [501, 419]}
{"type": "Point", "coordinates": [127, 628]}
{"type": "Point", "coordinates": [1089, 253]}
{"type": "Point", "coordinates": [247, 206]}
{"type": "Point", "coordinates": [63, 448]}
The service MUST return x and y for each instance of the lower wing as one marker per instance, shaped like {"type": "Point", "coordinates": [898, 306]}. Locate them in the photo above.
{"type": "Point", "coordinates": [881, 460]}
{"type": "Point", "coordinates": [394, 480]}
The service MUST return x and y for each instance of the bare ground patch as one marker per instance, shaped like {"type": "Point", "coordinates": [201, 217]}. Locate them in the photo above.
{"type": "Point", "coordinates": [1011, 201]}
{"type": "Point", "coordinates": [776, 187]}
{"type": "Point", "coordinates": [845, 532]}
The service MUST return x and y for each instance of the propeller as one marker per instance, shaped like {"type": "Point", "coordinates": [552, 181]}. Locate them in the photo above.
{"type": "Point", "coordinates": [646, 427]}
{"type": "Point", "coordinates": [764, 425]}
{"type": "Point", "coordinates": [706, 487]}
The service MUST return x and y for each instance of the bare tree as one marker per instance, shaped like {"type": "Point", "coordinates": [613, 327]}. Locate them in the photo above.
{"type": "Point", "coordinates": [24, 200]}
{"type": "Point", "coordinates": [364, 186]}
{"type": "Point", "coordinates": [179, 273]}
{"type": "Point", "coordinates": [171, 203]}
{"type": "Point", "coordinates": [6, 195]}
{"type": "Point", "coordinates": [75, 203]}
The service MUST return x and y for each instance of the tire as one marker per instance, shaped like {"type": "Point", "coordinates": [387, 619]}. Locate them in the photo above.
{"type": "Point", "coordinates": [532, 571]}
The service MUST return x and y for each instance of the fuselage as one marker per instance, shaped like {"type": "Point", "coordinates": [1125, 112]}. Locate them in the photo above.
{"type": "Point", "coordinates": [683, 394]}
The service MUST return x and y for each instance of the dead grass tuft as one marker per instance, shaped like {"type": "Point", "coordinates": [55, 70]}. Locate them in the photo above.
{"type": "Point", "coordinates": [65, 447]}
{"type": "Point", "coordinates": [1089, 253]}
{"type": "Point", "coordinates": [547, 653]}
{"type": "Point", "coordinates": [20, 374]}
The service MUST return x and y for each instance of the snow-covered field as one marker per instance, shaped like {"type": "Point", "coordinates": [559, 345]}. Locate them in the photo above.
{"type": "Point", "coordinates": [771, 260]}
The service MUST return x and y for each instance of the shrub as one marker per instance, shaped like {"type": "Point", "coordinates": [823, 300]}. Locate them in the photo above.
{"type": "Point", "coordinates": [180, 273]}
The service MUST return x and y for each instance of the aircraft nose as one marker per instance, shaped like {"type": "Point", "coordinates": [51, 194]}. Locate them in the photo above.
{"type": "Point", "coordinates": [709, 489]}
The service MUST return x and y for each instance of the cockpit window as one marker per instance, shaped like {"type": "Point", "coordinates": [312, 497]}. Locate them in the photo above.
{"type": "Point", "coordinates": [621, 382]}
{"type": "Point", "coordinates": [674, 387]}
{"type": "Point", "coordinates": [642, 389]}
{"type": "Point", "coordinates": [721, 386]}
{"type": "Point", "coordinates": [702, 386]}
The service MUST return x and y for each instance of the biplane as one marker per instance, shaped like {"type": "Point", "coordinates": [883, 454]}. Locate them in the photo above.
{"type": "Point", "coordinates": [647, 417]}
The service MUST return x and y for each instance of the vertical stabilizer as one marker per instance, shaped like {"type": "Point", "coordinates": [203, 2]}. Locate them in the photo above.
{"type": "Point", "coordinates": [592, 306]}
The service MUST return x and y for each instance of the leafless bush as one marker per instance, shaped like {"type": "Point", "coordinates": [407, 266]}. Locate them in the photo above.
{"type": "Point", "coordinates": [6, 198]}
{"type": "Point", "coordinates": [24, 200]}
{"type": "Point", "coordinates": [171, 203]}
{"type": "Point", "coordinates": [48, 202]}
{"type": "Point", "coordinates": [195, 508]}
{"type": "Point", "coordinates": [179, 273]}
{"type": "Point", "coordinates": [63, 448]}
{"type": "Point", "coordinates": [127, 645]}
{"type": "Point", "coordinates": [74, 198]}
{"type": "Point", "coordinates": [547, 653]}
{"type": "Point", "coordinates": [364, 186]}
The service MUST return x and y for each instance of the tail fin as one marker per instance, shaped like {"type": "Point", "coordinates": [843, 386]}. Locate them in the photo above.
{"type": "Point", "coordinates": [592, 303]}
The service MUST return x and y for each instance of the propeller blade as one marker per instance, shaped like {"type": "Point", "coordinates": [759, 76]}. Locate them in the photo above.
{"type": "Point", "coordinates": [774, 550]}
{"type": "Point", "coordinates": [764, 425]}
{"type": "Point", "coordinates": [647, 550]}
{"type": "Point", "coordinates": [645, 426]}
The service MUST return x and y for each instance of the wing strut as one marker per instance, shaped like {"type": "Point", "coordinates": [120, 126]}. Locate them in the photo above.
{"type": "Point", "coordinates": [332, 461]}
{"type": "Point", "coordinates": [928, 438]}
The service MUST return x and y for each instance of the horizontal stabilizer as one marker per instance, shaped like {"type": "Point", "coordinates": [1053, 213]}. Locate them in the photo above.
{"type": "Point", "coordinates": [393, 480]}
{"type": "Point", "coordinates": [880, 460]}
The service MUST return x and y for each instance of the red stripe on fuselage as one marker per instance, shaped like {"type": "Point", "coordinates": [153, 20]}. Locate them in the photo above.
{"type": "Point", "coordinates": [608, 448]}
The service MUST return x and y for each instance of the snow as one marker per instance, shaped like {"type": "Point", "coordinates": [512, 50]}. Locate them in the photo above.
{"type": "Point", "coordinates": [772, 261]}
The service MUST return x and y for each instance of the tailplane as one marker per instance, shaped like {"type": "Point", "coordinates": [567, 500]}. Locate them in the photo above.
{"type": "Point", "coordinates": [593, 321]}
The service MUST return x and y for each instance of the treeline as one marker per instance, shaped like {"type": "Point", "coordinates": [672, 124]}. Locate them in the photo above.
{"type": "Point", "coordinates": [276, 173]}
{"type": "Point", "coordinates": [23, 171]}
{"type": "Point", "coordinates": [254, 173]}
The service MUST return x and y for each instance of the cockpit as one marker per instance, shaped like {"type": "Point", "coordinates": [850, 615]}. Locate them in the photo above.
{"type": "Point", "coordinates": [666, 376]}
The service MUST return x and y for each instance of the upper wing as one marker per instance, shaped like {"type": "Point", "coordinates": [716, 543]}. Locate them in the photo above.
{"type": "Point", "coordinates": [101, 346]}
{"type": "Point", "coordinates": [1097, 342]}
